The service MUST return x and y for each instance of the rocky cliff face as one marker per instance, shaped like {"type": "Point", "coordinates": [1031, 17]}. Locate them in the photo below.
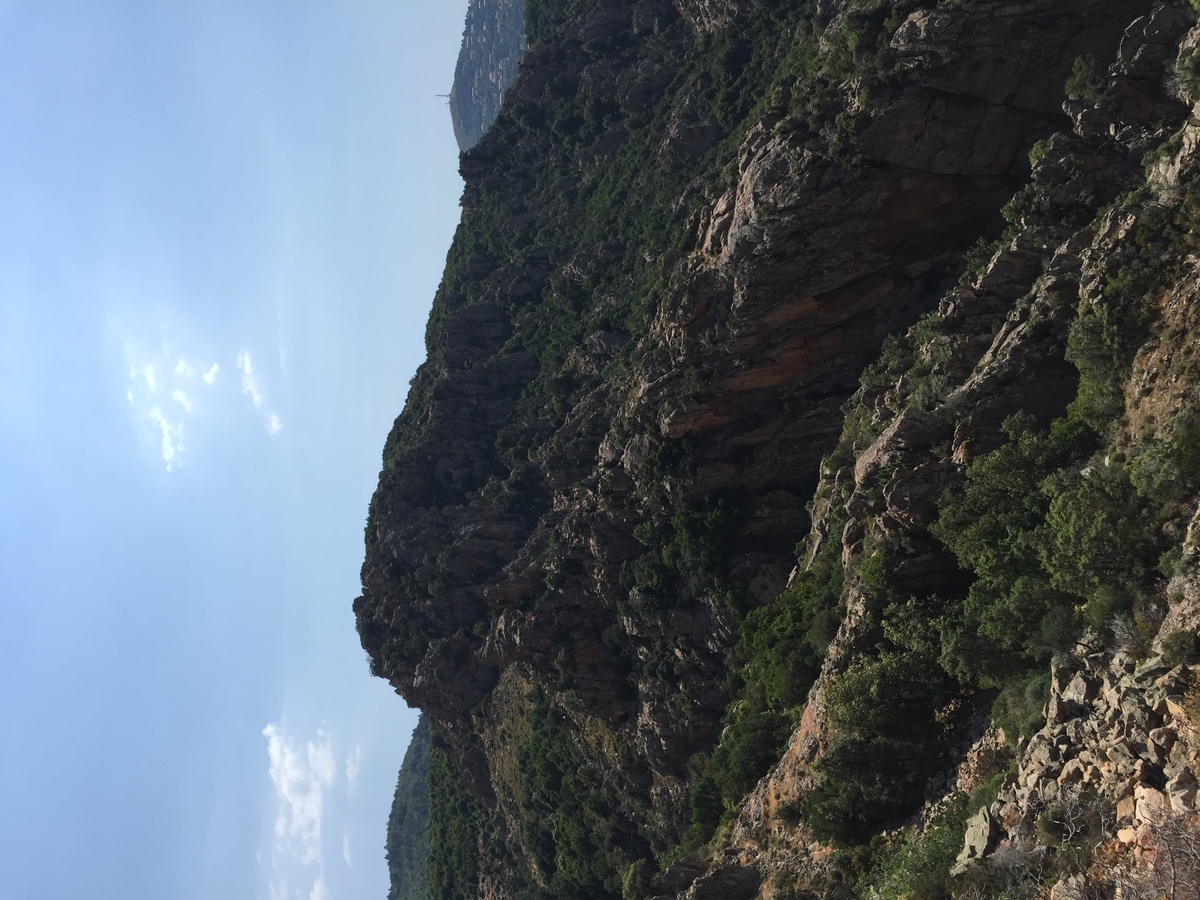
{"type": "Point", "coordinates": [730, 522]}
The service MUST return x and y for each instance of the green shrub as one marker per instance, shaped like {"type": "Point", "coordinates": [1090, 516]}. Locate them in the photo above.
{"type": "Point", "coordinates": [873, 568]}
{"type": "Point", "coordinates": [920, 868]}
{"type": "Point", "coordinates": [706, 801]}
{"type": "Point", "coordinates": [637, 884]}
{"type": "Point", "coordinates": [864, 784]}
{"type": "Point", "coordinates": [1166, 472]}
{"type": "Point", "coordinates": [580, 846]}
{"type": "Point", "coordinates": [1181, 646]}
{"type": "Point", "coordinates": [1018, 708]}
{"type": "Point", "coordinates": [1073, 825]}
{"type": "Point", "coordinates": [1101, 344]}
{"type": "Point", "coordinates": [986, 793]}
{"type": "Point", "coordinates": [457, 824]}
{"type": "Point", "coordinates": [976, 260]}
{"type": "Point", "coordinates": [407, 845]}
{"type": "Point", "coordinates": [1102, 542]}
{"type": "Point", "coordinates": [777, 660]}
{"type": "Point", "coordinates": [892, 711]}
{"type": "Point", "coordinates": [1014, 614]}
{"type": "Point", "coordinates": [784, 642]}
{"type": "Point", "coordinates": [1189, 73]}
{"type": "Point", "coordinates": [1089, 83]}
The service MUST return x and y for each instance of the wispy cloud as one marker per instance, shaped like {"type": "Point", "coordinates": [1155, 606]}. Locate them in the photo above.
{"type": "Point", "coordinates": [319, 889]}
{"type": "Point", "coordinates": [172, 437]}
{"type": "Point", "coordinates": [346, 851]}
{"type": "Point", "coordinates": [353, 766]}
{"type": "Point", "coordinates": [249, 383]}
{"type": "Point", "coordinates": [160, 392]}
{"type": "Point", "coordinates": [302, 775]}
{"type": "Point", "coordinates": [167, 389]}
{"type": "Point", "coordinates": [250, 388]}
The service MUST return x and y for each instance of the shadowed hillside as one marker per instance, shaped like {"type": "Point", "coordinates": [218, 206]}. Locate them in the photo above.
{"type": "Point", "coordinates": [799, 498]}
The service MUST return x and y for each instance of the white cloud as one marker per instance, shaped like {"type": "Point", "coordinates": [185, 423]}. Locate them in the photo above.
{"type": "Point", "coordinates": [353, 766]}
{"type": "Point", "coordinates": [301, 777]}
{"type": "Point", "coordinates": [249, 383]}
{"type": "Point", "coordinates": [346, 851]}
{"type": "Point", "coordinates": [155, 392]}
{"type": "Point", "coordinates": [172, 437]}
{"type": "Point", "coordinates": [250, 388]}
{"type": "Point", "coordinates": [164, 393]}
{"type": "Point", "coordinates": [319, 890]}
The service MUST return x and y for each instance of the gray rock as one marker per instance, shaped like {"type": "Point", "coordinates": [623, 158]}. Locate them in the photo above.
{"type": "Point", "coordinates": [733, 883]}
{"type": "Point", "coordinates": [1122, 663]}
{"type": "Point", "coordinates": [1121, 753]}
{"type": "Point", "coordinates": [1177, 760]}
{"type": "Point", "coordinates": [1073, 772]}
{"type": "Point", "coordinates": [1081, 690]}
{"type": "Point", "coordinates": [1060, 710]}
{"type": "Point", "coordinates": [1041, 754]}
{"type": "Point", "coordinates": [980, 840]}
{"type": "Point", "coordinates": [1161, 741]}
{"type": "Point", "coordinates": [1181, 791]}
{"type": "Point", "coordinates": [679, 876]}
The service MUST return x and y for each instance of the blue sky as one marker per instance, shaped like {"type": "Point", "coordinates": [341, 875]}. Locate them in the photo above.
{"type": "Point", "coordinates": [221, 226]}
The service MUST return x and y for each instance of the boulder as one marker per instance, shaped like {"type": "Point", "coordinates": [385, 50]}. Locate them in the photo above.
{"type": "Point", "coordinates": [1152, 805]}
{"type": "Point", "coordinates": [679, 876]}
{"type": "Point", "coordinates": [1181, 792]}
{"type": "Point", "coordinates": [727, 883]}
{"type": "Point", "coordinates": [979, 841]}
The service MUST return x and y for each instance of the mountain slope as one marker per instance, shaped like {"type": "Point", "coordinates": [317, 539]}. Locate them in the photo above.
{"type": "Point", "coordinates": [408, 823]}
{"type": "Point", "coordinates": [720, 467]}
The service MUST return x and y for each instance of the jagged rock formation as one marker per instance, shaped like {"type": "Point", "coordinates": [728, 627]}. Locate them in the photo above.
{"type": "Point", "coordinates": [658, 361]}
{"type": "Point", "coordinates": [492, 46]}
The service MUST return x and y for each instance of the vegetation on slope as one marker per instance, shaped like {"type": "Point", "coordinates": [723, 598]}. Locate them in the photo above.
{"type": "Point", "coordinates": [539, 194]}
{"type": "Point", "coordinates": [408, 824]}
{"type": "Point", "coordinates": [1070, 532]}
{"type": "Point", "coordinates": [1062, 531]}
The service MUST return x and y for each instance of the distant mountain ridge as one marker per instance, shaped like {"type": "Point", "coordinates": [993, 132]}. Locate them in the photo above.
{"type": "Point", "coordinates": [408, 824]}
{"type": "Point", "coordinates": [492, 46]}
